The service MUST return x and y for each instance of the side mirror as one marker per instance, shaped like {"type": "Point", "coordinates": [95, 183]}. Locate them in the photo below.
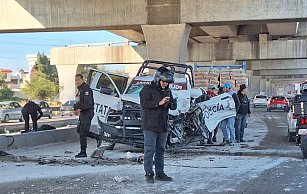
{"type": "Point", "coordinates": [106, 91]}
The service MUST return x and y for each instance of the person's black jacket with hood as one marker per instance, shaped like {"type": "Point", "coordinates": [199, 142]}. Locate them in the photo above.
{"type": "Point", "coordinates": [244, 107]}
{"type": "Point", "coordinates": [31, 108]}
{"type": "Point", "coordinates": [155, 117]}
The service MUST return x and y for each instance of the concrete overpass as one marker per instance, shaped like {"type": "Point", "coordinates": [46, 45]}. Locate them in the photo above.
{"type": "Point", "coordinates": [171, 30]}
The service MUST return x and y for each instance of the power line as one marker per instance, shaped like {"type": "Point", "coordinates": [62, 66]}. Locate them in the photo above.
{"type": "Point", "coordinates": [13, 58]}
{"type": "Point", "coordinates": [33, 38]}
{"type": "Point", "coordinates": [11, 51]}
{"type": "Point", "coordinates": [29, 44]}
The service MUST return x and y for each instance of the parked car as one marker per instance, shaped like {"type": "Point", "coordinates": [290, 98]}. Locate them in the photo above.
{"type": "Point", "coordinates": [68, 107]}
{"type": "Point", "coordinates": [47, 112]}
{"type": "Point", "coordinates": [279, 103]}
{"type": "Point", "coordinates": [10, 110]}
{"type": "Point", "coordinates": [260, 100]}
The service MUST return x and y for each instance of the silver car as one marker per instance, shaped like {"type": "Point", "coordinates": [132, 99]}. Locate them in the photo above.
{"type": "Point", "coordinates": [10, 110]}
{"type": "Point", "coordinates": [46, 109]}
{"type": "Point", "coordinates": [68, 107]}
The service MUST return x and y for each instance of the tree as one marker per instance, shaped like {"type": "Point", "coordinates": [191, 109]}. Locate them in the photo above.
{"type": "Point", "coordinates": [40, 87]}
{"type": "Point", "coordinates": [86, 69]}
{"type": "Point", "coordinates": [42, 64]}
{"type": "Point", "coordinates": [5, 92]}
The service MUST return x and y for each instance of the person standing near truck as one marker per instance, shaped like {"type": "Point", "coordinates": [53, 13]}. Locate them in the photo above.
{"type": "Point", "coordinates": [230, 122]}
{"type": "Point", "coordinates": [85, 110]}
{"type": "Point", "coordinates": [156, 100]}
{"type": "Point", "coordinates": [243, 112]}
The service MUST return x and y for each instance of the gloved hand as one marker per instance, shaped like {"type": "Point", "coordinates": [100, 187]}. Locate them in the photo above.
{"type": "Point", "coordinates": [76, 106]}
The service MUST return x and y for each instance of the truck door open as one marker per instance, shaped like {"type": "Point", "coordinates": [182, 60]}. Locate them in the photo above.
{"type": "Point", "coordinates": [107, 90]}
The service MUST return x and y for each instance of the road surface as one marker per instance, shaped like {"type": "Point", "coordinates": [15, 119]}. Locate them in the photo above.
{"type": "Point", "coordinates": [192, 172]}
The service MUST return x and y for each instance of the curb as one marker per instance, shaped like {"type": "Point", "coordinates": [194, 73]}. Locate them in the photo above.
{"type": "Point", "coordinates": [37, 138]}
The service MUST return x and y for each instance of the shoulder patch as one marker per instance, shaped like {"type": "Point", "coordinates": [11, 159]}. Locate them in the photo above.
{"type": "Point", "coordinates": [86, 93]}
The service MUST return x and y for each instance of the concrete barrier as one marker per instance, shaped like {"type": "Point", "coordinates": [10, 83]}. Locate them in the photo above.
{"type": "Point", "coordinates": [37, 138]}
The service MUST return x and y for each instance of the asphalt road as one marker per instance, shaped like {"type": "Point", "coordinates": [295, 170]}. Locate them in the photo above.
{"type": "Point", "coordinates": [192, 174]}
{"type": "Point", "coordinates": [276, 122]}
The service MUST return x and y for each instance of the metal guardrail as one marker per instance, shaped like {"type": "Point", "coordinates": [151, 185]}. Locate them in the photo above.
{"type": "Point", "coordinates": [120, 43]}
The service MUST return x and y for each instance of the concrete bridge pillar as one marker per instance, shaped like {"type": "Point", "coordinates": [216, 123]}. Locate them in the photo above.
{"type": "Point", "coordinates": [268, 88]}
{"type": "Point", "coordinates": [167, 42]}
{"type": "Point", "coordinates": [263, 85]}
{"type": "Point", "coordinates": [67, 74]}
{"type": "Point", "coordinates": [254, 86]}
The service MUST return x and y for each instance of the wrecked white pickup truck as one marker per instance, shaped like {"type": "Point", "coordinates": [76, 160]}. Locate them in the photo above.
{"type": "Point", "coordinates": [118, 111]}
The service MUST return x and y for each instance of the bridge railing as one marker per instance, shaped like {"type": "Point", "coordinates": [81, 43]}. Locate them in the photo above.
{"type": "Point", "coordinates": [117, 43]}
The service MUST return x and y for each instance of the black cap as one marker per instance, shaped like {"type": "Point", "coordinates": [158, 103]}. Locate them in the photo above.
{"type": "Point", "coordinates": [242, 86]}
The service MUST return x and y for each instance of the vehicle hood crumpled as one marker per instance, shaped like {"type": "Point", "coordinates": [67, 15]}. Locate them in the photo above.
{"type": "Point", "coordinates": [131, 97]}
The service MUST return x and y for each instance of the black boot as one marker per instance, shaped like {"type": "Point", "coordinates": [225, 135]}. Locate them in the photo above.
{"type": "Point", "coordinates": [149, 178]}
{"type": "Point", "coordinates": [82, 154]}
{"type": "Point", "coordinates": [163, 177]}
{"type": "Point", "coordinates": [214, 138]}
{"type": "Point", "coordinates": [209, 141]}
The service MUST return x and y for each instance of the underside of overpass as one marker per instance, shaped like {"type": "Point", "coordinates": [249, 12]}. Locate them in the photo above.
{"type": "Point", "coordinates": [270, 35]}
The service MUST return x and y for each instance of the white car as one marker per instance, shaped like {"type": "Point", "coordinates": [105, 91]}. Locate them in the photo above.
{"type": "Point", "coordinates": [260, 100]}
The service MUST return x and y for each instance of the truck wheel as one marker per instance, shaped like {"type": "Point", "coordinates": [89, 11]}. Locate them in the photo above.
{"type": "Point", "coordinates": [304, 146]}
{"type": "Point", "coordinates": [291, 136]}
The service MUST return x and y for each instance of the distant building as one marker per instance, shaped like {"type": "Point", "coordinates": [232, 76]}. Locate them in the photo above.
{"type": "Point", "coordinates": [32, 58]}
{"type": "Point", "coordinates": [15, 80]}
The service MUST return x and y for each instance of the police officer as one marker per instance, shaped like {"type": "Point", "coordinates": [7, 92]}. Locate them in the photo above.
{"type": "Point", "coordinates": [156, 100]}
{"type": "Point", "coordinates": [31, 109]}
{"type": "Point", "coordinates": [85, 109]}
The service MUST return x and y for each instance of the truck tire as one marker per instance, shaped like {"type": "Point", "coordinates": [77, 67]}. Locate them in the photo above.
{"type": "Point", "coordinates": [291, 136]}
{"type": "Point", "coordinates": [304, 146]}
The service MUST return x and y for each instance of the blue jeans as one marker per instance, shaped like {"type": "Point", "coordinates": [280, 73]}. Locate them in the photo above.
{"type": "Point", "coordinates": [154, 147]}
{"type": "Point", "coordinates": [241, 125]}
{"type": "Point", "coordinates": [231, 125]}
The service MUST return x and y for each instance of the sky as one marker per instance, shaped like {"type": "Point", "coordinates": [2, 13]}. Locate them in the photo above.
{"type": "Point", "coordinates": [15, 46]}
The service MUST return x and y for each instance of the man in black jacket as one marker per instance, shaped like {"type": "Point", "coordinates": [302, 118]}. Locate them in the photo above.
{"type": "Point", "coordinates": [85, 110]}
{"type": "Point", "coordinates": [156, 100]}
{"type": "Point", "coordinates": [243, 112]}
{"type": "Point", "coordinates": [31, 109]}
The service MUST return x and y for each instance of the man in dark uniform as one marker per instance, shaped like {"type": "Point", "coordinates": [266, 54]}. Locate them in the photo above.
{"type": "Point", "coordinates": [31, 109]}
{"type": "Point", "coordinates": [243, 112]}
{"type": "Point", "coordinates": [156, 100]}
{"type": "Point", "coordinates": [85, 110]}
